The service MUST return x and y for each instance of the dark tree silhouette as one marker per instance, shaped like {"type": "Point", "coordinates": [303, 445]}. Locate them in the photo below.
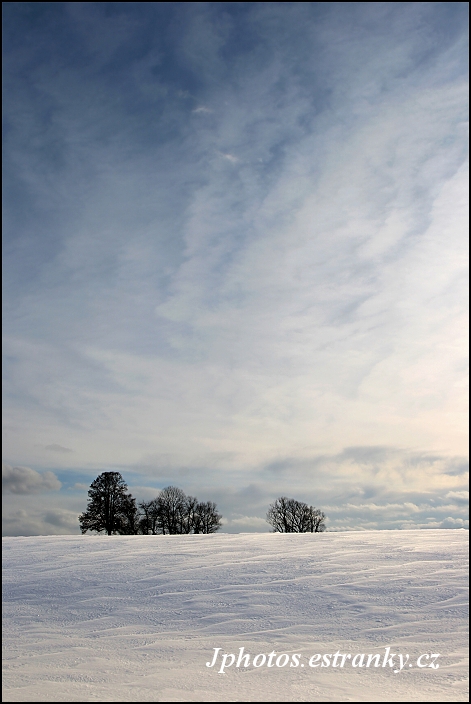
{"type": "Point", "coordinates": [192, 521]}
{"type": "Point", "coordinates": [291, 516]}
{"type": "Point", "coordinates": [315, 520]}
{"type": "Point", "coordinates": [149, 522]}
{"type": "Point", "coordinates": [172, 512]}
{"type": "Point", "coordinates": [130, 519]}
{"type": "Point", "coordinates": [207, 519]}
{"type": "Point", "coordinates": [110, 508]}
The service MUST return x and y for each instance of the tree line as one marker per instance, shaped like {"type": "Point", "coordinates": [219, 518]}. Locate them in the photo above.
{"type": "Point", "coordinates": [111, 509]}
{"type": "Point", "coordinates": [291, 516]}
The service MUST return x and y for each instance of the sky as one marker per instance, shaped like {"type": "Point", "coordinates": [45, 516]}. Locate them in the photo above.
{"type": "Point", "coordinates": [235, 258]}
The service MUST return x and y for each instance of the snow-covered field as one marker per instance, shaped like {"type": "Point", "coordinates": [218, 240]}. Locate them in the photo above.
{"type": "Point", "coordinates": [95, 618]}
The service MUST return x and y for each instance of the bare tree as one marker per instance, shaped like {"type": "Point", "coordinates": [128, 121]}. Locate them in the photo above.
{"type": "Point", "coordinates": [149, 522]}
{"type": "Point", "coordinates": [315, 520]}
{"type": "Point", "coordinates": [171, 510]}
{"type": "Point", "coordinates": [192, 521]}
{"type": "Point", "coordinates": [207, 519]}
{"type": "Point", "coordinates": [291, 516]}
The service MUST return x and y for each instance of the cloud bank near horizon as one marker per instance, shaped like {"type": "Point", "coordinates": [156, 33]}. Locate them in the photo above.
{"type": "Point", "coordinates": [235, 253]}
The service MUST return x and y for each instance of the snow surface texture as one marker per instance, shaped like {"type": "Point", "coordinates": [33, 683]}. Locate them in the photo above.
{"type": "Point", "coordinates": [95, 618]}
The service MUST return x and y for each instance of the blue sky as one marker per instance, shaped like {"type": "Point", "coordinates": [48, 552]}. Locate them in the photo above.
{"type": "Point", "coordinates": [235, 258]}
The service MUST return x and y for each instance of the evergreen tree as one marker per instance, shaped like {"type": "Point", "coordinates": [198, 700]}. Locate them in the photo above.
{"type": "Point", "coordinates": [110, 508]}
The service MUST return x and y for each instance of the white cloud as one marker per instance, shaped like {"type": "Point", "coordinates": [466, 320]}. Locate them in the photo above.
{"type": "Point", "coordinates": [450, 522]}
{"type": "Point", "coordinates": [461, 497]}
{"type": "Point", "coordinates": [246, 524]}
{"type": "Point", "coordinates": [55, 521]}
{"type": "Point", "coordinates": [230, 157]}
{"type": "Point", "coordinates": [24, 480]}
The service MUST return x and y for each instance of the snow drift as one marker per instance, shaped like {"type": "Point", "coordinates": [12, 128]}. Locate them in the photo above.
{"type": "Point", "coordinates": [98, 618]}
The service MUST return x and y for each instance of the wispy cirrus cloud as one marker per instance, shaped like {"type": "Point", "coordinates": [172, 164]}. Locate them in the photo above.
{"type": "Point", "coordinates": [58, 448]}
{"type": "Point", "coordinates": [234, 236]}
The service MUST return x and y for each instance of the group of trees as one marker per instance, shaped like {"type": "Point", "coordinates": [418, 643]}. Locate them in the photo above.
{"type": "Point", "coordinates": [291, 516]}
{"type": "Point", "coordinates": [174, 513]}
{"type": "Point", "coordinates": [111, 509]}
